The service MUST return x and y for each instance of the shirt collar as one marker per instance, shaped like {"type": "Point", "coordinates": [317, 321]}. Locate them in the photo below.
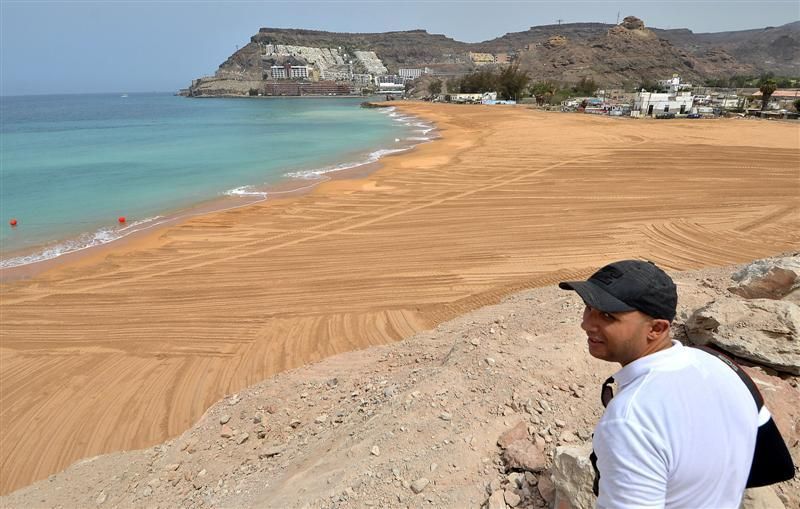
{"type": "Point", "coordinates": [663, 360]}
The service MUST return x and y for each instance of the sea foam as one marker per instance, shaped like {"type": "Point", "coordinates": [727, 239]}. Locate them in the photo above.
{"type": "Point", "coordinates": [83, 241]}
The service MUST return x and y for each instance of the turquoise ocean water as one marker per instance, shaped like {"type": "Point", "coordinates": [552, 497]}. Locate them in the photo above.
{"type": "Point", "coordinates": [71, 165]}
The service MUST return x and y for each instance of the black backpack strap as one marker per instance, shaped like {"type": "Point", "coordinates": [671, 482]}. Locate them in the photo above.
{"type": "Point", "coordinates": [748, 382]}
{"type": "Point", "coordinates": [772, 462]}
{"type": "Point", "coordinates": [596, 480]}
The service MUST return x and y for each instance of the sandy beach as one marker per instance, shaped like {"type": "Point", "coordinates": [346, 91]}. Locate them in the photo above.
{"type": "Point", "coordinates": [125, 348]}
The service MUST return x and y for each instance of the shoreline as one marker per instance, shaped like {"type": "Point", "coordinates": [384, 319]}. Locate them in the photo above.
{"type": "Point", "coordinates": [292, 184]}
{"type": "Point", "coordinates": [130, 348]}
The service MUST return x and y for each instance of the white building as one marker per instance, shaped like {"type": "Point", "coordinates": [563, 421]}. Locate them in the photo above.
{"type": "Point", "coordinates": [466, 98]}
{"type": "Point", "coordinates": [391, 88]}
{"type": "Point", "coordinates": [278, 72]}
{"type": "Point", "coordinates": [650, 104]}
{"type": "Point", "coordinates": [299, 71]}
{"type": "Point", "coordinates": [410, 74]}
{"type": "Point", "coordinates": [389, 78]}
{"type": "Point", "coordinates": [282, 72]}
{"type": "Point", "coordinates": [674, 84]}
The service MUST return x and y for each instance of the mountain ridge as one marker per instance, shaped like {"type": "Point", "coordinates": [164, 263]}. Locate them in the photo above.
{"type": "Point", "coordinates": [622, 55]}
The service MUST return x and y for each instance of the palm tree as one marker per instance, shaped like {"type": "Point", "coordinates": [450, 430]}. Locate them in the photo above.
{"type": "Point", "coordinates": [768, 87]}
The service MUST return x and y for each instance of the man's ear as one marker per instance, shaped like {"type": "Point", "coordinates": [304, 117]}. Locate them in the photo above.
{"type": "Point", "coordinates": [658, 329]}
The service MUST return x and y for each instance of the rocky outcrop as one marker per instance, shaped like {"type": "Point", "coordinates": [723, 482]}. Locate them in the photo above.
{"type": "Point", "coordinates": [769, 279]}
{"type": "Point", "coordinates": [761, 330]}
{"type": "Point", "coordinates": [632, 23]}
{"type": "Point", "coordinates": [216, 87]}
{"type": "Point", "coordinates": [556, 41]}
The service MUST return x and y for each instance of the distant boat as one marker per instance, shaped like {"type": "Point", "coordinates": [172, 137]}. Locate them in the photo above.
{"type": "Point", "coordinates": [124, 95]}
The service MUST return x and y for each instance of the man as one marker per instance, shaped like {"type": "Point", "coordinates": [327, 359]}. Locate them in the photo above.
{"type": "Point", "coordinates": [681, 430]}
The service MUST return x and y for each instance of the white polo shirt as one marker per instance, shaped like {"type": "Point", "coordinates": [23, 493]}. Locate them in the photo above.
{"type": "Point", "coordinates": [679, 433]}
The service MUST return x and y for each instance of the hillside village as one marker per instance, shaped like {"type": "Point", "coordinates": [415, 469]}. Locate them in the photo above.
{"type": "Point", "coordinates": [635, 71]}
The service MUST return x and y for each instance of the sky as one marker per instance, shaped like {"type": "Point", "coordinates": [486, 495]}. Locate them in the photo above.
{"type": "Point", "coordinates": [50, 47]}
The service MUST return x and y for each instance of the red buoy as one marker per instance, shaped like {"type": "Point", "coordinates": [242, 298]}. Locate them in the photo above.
{"type": "Point", "coordinates": [121, 219]}
{"type": "Point", "coordinates": [13, 222]}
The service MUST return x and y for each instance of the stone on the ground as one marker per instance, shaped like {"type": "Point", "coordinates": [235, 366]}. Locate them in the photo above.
{"type": "Point", "coordinates": [763, 331]}
{"type": "Point", "coordinates": [518, 432]}
{"type": "Point", "coordinates": [761, 498]}
{"type": "Point", "coordinates": [573, 476]}
{"type": "Point", "coordinates": [242, 438]}
{"type": "Point", "coordinates": [376, 451]}
{"type": "Point", "coordinates": [269, 452]}
{"type": "Point", "coordinates": [101, 498]}
{"type": "Point", "coordinates": [769, 279]}
{"type": "Point", "coordinates": [511, 498]}
{"type": "Point", "coordinates": [224, 419]}
{"type": "Point", "coordinates": [524, 455]}
{"type": "Point", "coordinates": [226, 431]}
{"type": "Point", "coordinates": [496, 500]}
{"type": "Point", "coordinates": [419, 485]}
{"type": "Point", "coordinates": [547, 490]}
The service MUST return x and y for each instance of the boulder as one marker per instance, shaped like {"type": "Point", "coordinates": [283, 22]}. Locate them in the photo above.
{"type": "Point", "coordinates": [496, 501]}
{"type": "Point", "coordinates": [524, 455]}
{"type": "Point", "coordinates": [518, 432]}
{"type": "Point", "coordinates": [573, 476]}
{"type": "Point", "coordinates": [556, 41]}
{"type": "Point", "coordinates": [769, 279]}
{"type": "Point", "coordinates": [761, 498]}
{"type": "Point", "coordinates": [632, 23]}
{"type": "Point", "coordinates": [766, 332]}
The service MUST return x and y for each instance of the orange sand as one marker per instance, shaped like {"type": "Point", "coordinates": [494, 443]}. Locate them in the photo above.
{"type": "Point", "coordinates": [129, 347]}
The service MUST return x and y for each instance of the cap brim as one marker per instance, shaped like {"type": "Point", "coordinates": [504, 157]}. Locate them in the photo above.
{"type": "Point", "coordinates": [596, 297]}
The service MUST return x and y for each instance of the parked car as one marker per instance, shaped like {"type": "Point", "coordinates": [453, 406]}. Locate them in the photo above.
{"type": "Point", "coordinates": [665, 115]}
{"type": "Point", "coordinates": [694, 115]}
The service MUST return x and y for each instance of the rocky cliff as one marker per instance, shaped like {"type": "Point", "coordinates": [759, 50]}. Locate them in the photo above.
{"type": "Point", "coordinates": [613, 55]}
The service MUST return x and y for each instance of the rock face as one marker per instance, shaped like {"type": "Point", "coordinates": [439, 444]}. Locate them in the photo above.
{"type": "Point", "coordinates": [632, 23]}
{"type": "Point", "coordinates": [555, 41]}
{"type": "Point", "coordinates": [763, 331]}
{"type": "Point", "coordinates": [573, 476]}
{"type": "Point", "coordinates": [769, 279]}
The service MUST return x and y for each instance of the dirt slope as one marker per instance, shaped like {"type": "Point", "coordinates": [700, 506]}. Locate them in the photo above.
{"type": "Point", "coordinates": [363, 429]}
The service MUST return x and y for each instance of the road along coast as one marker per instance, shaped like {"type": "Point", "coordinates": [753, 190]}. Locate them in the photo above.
{"type": "Point", "coordinates": [127, 349]}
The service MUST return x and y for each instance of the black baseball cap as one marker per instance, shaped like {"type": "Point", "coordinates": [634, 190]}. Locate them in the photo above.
{"type": "Point", "coordinates": [629, 285]}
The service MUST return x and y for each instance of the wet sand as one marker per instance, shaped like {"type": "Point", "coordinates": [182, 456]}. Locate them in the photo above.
{"type": "Point", "coordinates": [128, 347]}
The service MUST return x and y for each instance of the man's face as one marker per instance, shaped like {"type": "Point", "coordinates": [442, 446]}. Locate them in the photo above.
{"type": "Point", "coordinates": [616, 337]}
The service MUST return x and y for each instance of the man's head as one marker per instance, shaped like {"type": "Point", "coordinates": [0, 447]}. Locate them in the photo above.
{"type": "Point", "coordinates": [629, 307]}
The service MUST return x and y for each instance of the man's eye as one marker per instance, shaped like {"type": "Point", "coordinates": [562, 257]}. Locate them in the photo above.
{"type": "Point", "coordinates": [607, 316]}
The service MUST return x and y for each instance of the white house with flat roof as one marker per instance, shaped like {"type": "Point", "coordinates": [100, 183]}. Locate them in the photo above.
{"type": "Point", "coordinates": [650, 104]}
